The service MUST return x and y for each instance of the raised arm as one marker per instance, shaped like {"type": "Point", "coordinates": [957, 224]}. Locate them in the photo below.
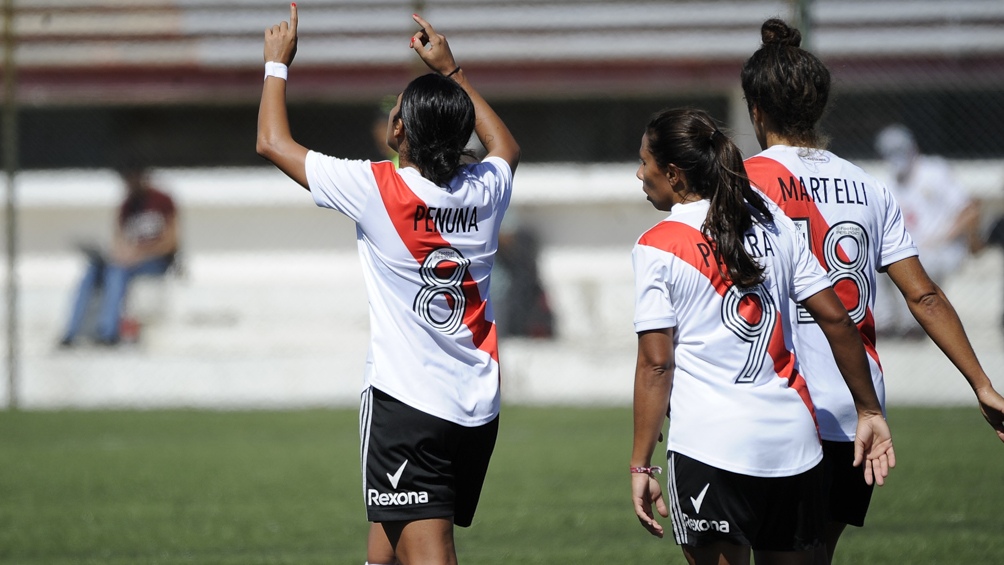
{"type": "Point", "coordinates": [935, 313]}
{"type": "Point", "coordinates": [873, 441]}
{"type": "Point", "coordinates": [275, 141]}
{"type": "Point", "coordinates": [433, 48]}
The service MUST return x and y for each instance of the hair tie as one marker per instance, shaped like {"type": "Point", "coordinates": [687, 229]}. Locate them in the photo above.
{"type": "Point", "coordinates": [716, 132]}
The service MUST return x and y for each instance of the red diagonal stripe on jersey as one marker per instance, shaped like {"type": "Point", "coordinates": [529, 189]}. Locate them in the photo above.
{"type": "Point", "coordinates": [401, 204]}
{"type": "Point", "coordinates": [684, 242]}
{"type": "Point", "coordinates": [767, 175]}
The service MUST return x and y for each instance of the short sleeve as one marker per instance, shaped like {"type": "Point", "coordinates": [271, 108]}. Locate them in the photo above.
{"type": "Point", "coordinates": [654, 308]}
{"type": "Point", "coordinates": [495, 174]}
{"type": "Point", "coordinates": [896, 243]}
{"type": "Point", "coordinates": [341, 184]}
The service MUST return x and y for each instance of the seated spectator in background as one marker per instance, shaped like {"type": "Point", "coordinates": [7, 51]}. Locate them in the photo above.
{"type": "Point", "coordinates": [144, 243]}
{"type": "Point", "coordinates": [993, 237]}
{"type": "Point", "coordinates": [938, 212]}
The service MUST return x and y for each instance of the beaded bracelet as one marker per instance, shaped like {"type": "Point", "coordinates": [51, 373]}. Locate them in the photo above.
{"type": "Point", "coordinates": [647, 470]}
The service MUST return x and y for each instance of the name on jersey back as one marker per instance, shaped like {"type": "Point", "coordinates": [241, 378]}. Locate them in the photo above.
{"type": "Point", "coordinates": [445, 220]}
{"type": "Point", "coordinates": [823, 190]}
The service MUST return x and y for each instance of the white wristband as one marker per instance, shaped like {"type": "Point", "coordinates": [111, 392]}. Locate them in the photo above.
{"type": "Point", "coordinates": [278, 70]}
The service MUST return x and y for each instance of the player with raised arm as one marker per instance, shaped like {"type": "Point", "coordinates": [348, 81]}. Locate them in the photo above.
{"type": "Point", "coordinates": [427, 233]}
{"type": "Point", "coordinates": [712, 282]}
{"type": "Point", "coordinates": [855, 229]}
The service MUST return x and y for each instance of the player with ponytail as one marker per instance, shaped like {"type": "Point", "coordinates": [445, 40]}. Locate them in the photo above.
{"type": "Point", "coordinates": [713, 166]}
{"type": "Point", "coordinates": [712, 282]}
{"type": "Point", "coordinates": [854, 235]}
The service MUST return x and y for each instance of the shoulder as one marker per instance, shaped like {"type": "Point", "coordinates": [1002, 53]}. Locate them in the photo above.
{"type": "Point", "coordinates": [491, 166]}
{"type": "Point", "coordinates": [319, 161]}
{"type": "Point", "coordinates": [670, 235]}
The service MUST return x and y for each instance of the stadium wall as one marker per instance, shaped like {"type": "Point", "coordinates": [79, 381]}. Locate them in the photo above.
{"type": "Point", "coordinates": [268, 309]}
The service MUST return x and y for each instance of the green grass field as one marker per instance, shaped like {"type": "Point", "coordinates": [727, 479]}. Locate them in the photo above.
{"type": "Point", "coordinates": [166, 487]}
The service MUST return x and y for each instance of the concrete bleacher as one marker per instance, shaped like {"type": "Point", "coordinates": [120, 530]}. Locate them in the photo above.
{"type": "Point", "coordinates": [269, 308]}
{"type": "Point", "coordinates": [155, 51]}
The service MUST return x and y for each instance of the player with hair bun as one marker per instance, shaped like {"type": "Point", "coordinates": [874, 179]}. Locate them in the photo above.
{"type": "Point", "coordinates": [855, 229]}
{"type": "Point", "coordinates": [712, 284]}
{"type": "Point", "coordinates": [427, 234]}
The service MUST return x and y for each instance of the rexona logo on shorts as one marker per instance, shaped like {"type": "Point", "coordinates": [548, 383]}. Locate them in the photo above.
{"type": "Point", "coordinates": [377, 498]}
{"type": "Point", "coordinates": [706, 525]}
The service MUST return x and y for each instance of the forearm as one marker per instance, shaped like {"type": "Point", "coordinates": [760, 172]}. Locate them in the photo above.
{"type": "Point", "coordinates": [653, 382]}
{"type": "Point", "coordinates": [852, 361]}
{"type": "Point", "coordinates": [273, 119]}
{"type": "Point", "coordinates": [489, 127]}
{"type": "Point", "coordinates": [935, 313]}
{"type": "Point", "coordinates": [275, 139]}
{"type": "Point", "coordinates": [939, 319]}
{"type": "Point", "coordinates": [848, 350]}
{"type": "Point", "coordinates": [651, 401]}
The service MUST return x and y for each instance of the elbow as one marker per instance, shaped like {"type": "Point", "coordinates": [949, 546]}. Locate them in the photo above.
{"type": "Point", "coordinates": [265, 147]}
{"type": "Point", "coordinates": [659, 370]}
{"type": "Point", "coordinates": [927, 304]}
{"type": "Point", "coordinates": [270, 143]}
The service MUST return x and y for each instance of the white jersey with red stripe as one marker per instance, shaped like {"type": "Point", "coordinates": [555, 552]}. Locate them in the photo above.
{"type": "Point", "coordinates": [854, 227]}
{"type": "Point", "coordinates": [738, 401]}
{"type": "Point", "coordinates": [427, 253]}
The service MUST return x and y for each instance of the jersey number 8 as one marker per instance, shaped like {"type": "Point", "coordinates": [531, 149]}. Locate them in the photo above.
{"type": "Point", "coordinates": [443, 273]}
{"type": "Point", "coordinates": [850, 239]}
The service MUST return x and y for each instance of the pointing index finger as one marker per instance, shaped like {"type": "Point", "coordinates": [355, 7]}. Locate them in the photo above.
{"type": "Point", "coordinates": [425, 25]}
{"type": "Point", "coordinates": [292, 16]}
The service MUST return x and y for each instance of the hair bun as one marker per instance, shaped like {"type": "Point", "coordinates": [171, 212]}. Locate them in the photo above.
{"type": "Point", "coordinates": [775, 32]}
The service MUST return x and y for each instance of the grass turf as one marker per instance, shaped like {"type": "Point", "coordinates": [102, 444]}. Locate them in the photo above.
{"type": "Point", "coordinates": [167, 487]}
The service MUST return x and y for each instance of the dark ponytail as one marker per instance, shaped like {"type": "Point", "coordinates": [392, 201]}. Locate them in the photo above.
{"type": "Point", "coordinates": [713, 167]}
{"type": "Point", "coordinates": [438, 118]}
{"type": "Point", "coordinates": [787, 83]}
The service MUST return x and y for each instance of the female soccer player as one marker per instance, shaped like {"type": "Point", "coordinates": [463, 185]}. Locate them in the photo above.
{"type": "Point", "coordinates": [712, 282]}
{"type": "Point", "coordinates": [427, 234]}
{"type": "Point", "coordinates": [855, 229]}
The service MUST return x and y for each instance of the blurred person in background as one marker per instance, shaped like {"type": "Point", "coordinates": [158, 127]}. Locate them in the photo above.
{"type": "Point", "coordinates": [427, 234]}
{"type": "Point", "coordinates": [144, 244]}
{"type": "Point", "coordinates": [993, 237]}
{"type": "Point", "coordinates": [938, 212]}
{"type": "Point", "coordinates": [712, 286]}
{"type": "Point", "coordinates": [383, 151]}
{"type": "Point", "coordinates": [854, 228]}
{"type": "Point", "coordinates": [522, 308]}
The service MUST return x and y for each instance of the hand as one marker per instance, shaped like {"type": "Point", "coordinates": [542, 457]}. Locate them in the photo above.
{"type": "Point", "coordinates": [873, 447]}
{"type": "Point", "coordinates": [280, 40]}
{"type": "Point", "coordinates": [992, 407]}
{"type": "Point", "coordinates": [432, 48]}
{"type": "Point", "coordinates": [645, 490]}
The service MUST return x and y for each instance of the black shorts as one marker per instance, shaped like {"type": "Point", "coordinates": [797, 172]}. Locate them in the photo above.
{"type": "Point", "coordinates": [848, 494]}
{"type": "Point", "coordinates": [417, 466]}
{"type": "Point", "coordinates": [709, 505]}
